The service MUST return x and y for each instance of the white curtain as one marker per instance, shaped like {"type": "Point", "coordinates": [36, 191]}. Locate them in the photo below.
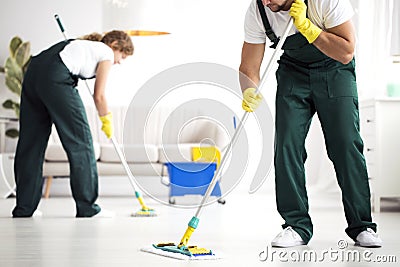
{"type": "Point", "coordinates": [374, 32]}
{"type": "Point", "coordinates": [395, 44]}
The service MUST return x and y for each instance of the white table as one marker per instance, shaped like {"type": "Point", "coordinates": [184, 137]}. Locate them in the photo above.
{"type": "Point", "coordinates": [7, 182]}
{"type": "Point", "coordinates": [3, 124]}
{"type": "Point", "coordinates": [380, 129]}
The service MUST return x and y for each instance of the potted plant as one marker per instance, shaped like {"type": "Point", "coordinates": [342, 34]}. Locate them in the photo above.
{"type": "Point", "coordinates": [14, 69]}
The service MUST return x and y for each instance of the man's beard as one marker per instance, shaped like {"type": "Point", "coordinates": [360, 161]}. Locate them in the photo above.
{"type": "Point", "coordinates": [276, 8]}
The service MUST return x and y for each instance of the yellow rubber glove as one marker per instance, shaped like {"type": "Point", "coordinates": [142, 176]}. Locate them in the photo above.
{"type": "Point", "coordinates": [251, 100]}
{"type": "Point", "coordinates": [298, 11]}
{"type": "Point", "coordinates": [107, 126]}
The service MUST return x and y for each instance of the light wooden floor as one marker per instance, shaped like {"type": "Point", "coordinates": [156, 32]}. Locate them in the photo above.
{"type": "Point", "coordinates": [239, 230]}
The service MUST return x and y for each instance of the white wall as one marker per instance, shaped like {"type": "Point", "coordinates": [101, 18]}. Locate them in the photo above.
{"type": "Point", "coordinates": [206, 31]}
{"type": "Point", "coordinates": [34, 21]}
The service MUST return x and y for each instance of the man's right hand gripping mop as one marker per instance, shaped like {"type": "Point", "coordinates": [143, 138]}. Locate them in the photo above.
{"type": "Point", "coordinates": [183, 250]}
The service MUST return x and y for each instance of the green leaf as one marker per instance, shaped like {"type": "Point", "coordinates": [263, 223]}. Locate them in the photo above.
{"type": "Point", "coordinates": [22, 54]}
{"type": "Point", "coordinates": [14, 44]}
{"type": "Point", "coordinates": [14, 85]}
{"type": "Point", "coordinates": [25, 67]}
{"type": "Point", "coordinates": [8, 104]}
{"type": "Point", "coordinates": [13, 133]}
{"type": "Point", "coordinates": [13, 69]}
{"type": "Point", "coordinates": [17, 109]}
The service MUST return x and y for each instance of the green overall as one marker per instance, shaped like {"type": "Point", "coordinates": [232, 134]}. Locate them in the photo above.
{"type": "Point", "coordinates": [49, 96]}
{"type": "Point", "coordinates": [310, 82]}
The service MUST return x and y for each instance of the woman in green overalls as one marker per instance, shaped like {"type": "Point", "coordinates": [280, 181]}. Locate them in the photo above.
{"type": "Point", "coordinates": [49, 95]}
{"type": "Point", "coordinates": [316, 74]}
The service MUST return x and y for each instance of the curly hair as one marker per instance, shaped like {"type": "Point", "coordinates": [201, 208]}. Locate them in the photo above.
{"type": "Point", "coordinates": [117, 40]}
{"type": "Point", "coordinates": [95, 36]}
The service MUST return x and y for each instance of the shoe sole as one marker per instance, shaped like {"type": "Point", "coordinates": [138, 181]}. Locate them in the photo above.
{"type": "Point", "coordinates": [370, 245]}
{"type": "Point", "coordinates": [287, 246]}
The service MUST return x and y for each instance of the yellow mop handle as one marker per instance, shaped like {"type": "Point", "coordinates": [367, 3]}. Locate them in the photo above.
{"type": "Point", "coordinates": [192, 225]}
{"type": "Point", "coordinates": [140, 199]}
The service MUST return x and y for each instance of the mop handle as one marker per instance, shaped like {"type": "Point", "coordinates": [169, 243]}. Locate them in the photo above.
{"type": "Point", "coordinates": [124, 163]}
{"type": "Point", "coordinates": [215, 179]}
{"type": "Point", "coordinates": [244, 118]}
{"type": "Point", "coordinates": [114, 142]}
{"type": "Point", "coordinates": [275, 54]}
{"type": "Point", "coordinates": [192, 225]}
{"type": "Point", "coordinates": [60, 25]}
{"type": "Point", "coordinates": [119, 152]}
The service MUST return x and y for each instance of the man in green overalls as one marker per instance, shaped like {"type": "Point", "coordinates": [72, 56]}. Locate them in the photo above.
{"type": "Point", "coordinates": [316, 74]}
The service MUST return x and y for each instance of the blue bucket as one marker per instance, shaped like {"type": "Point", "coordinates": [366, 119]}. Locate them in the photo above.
{"type": "Point", "coordinates": [191, 178]}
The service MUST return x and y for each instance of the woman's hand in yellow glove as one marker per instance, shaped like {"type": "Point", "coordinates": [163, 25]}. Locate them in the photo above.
{"type": "Point", "coordinates": [251, 100]}
{"type": "Point", "coordinates": [298, 11]}
{"type": "Point", "coordinates": [107, 126]}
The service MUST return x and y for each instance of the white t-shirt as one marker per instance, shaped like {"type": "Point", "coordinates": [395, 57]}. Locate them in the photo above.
{"type": "Point", "coordinates": [82, 56]}
{"type": "Point", "coordinates": [323, 13]}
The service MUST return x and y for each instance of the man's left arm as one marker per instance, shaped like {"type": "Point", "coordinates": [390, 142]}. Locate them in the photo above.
{"type": "Point", "coordinates": [336, 42]}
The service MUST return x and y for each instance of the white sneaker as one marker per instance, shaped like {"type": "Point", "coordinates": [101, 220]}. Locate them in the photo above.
{"type": "Point", "coordinates": [37, 214]}
{"type": "Point", "coordinates": [104, 214]}
{"type": "Point", "coordinates": [369, 239]}
{"type": "Point", "coordinates": [287, 238]}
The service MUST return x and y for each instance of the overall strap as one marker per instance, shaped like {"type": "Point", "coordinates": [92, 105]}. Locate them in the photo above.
{"type": "Point", "coordinates": [268, 30]}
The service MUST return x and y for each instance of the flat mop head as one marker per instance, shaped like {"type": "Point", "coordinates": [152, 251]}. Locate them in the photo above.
{"type": "Point", "coordinates": [189, 251]}
{"type": "Point", "coordinates": [147, 212]}
{"type": "Point", "coordinates": [184, 253]}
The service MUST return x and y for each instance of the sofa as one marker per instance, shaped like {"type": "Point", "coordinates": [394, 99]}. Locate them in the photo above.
{"type": "Point", "coordinates": [147, 139]}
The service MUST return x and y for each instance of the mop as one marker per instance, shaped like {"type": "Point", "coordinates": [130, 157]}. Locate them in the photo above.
{"type": "Point", "coordinates": [182, 250]}
{"type": "Point", "coordinates": [144, 211]}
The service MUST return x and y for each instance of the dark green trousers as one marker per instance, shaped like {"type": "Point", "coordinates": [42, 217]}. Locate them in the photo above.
{"type": "Point", "coordinates": [326, 88]}
{"type": "Point", "coordinates": [49, 96]}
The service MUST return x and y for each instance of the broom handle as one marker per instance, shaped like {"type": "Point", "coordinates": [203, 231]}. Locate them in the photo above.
{"type": "Point", "coordinates": [244, 118]}
{"type": "Point", "coordinates": [119, 152]}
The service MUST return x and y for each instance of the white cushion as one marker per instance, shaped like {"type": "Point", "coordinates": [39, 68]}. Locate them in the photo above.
{"type": "Point", "coordinates": [133, 153]}
{"type": "Point", "coordinates": [55, 152]}
{"type": "Point", "coordinates": [116, 169]}
{"type": "Point", "coordinates": [61, 169]}
{"type": "Point", "coordinates": [176, 152]}
{"type": "Point", "coordinates": [56, 168]}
